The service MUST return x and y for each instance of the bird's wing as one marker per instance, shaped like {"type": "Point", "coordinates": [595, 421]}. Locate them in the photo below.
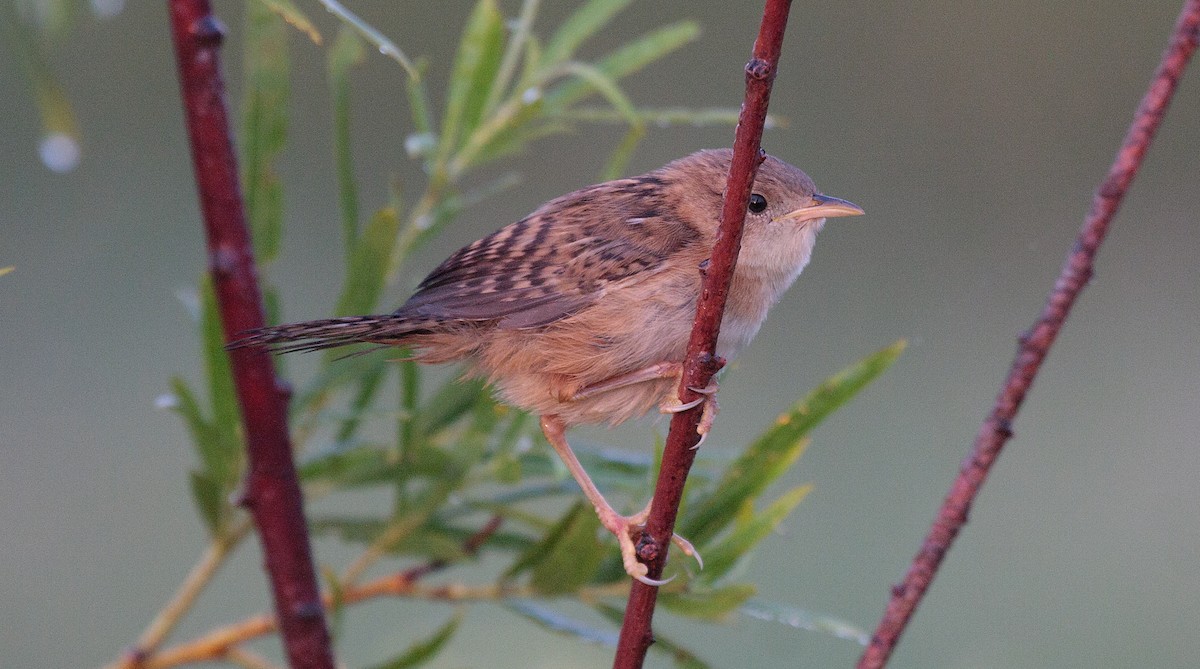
{"type": "Point", "coordinates": [559, 259]}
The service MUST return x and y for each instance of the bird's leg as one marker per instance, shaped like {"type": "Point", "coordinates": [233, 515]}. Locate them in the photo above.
{"type": "Point", "coordinates": [621, 526]}
{"type": "Point", "coordinates": [663, 370]}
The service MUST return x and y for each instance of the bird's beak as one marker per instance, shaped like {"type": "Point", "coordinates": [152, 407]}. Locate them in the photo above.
{"type": "Point", "coordinates": [822, 206]}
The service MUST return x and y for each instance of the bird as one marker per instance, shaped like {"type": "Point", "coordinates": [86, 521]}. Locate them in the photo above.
{"type": "Point", "coordinates": [580, 312]}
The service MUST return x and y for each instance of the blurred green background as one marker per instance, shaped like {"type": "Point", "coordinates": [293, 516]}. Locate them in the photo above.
{"type": "Point", "coordinates": [973, 133]}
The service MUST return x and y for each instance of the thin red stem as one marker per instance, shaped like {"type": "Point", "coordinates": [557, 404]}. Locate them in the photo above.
{"type": "Point", "coordinates": [272, 490]}
{"type": "Point", "coordinates": [1036, 343]}
{"type": "Point", "coordinates": [701, 361]}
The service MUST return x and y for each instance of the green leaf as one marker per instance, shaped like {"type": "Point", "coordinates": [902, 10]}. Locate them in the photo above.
{"type": "Point", "coordinates": [368, 264]}
{"type": "Point", "coordinates": [566, 556]}
{"type": "Point", "coordinates": [680, 656]}
{"type": "Point", "coordinates": [478, 58]}
{"type": "Point", "coordinates": [619, 159]}
{"type": "Point", "coordinates": [343, 466]}
{"type": "Point", "coordinates": [707, 604]}
{"type": "Point", "coordinates": [570, 561]}
{"type": "Point", "coordinates": [665, 116]}
{"type": "Point", "coordinates": [222, 396]}
{"type": "Point", "coordinates": [368, 387]}
{"type": "Point", "coordinates": [627, 60]}
{"type": "Point", "coordinates": [201, 431]}
{"type": "Point", "coordinates": [29, 48]}
{"type": "Point", "coordinates": [562, 624]}
{"type": "Point", "coordinates": [721, 558]}
{"type": "Point", "coordinates": [6, 270]}
{"type": "Point", "coordinates": [210, 498]}
{"type": "Point", "coordinates": [337, 602]}
{"type": "Point", "coordinates": [334, 376]}
{"type": "Point", "coordinates": [418, 101]}
{"type": "Point", "coordinates": [346, 53]}
{"type": "Point", "coordinates": [606, 86]}
{"type": "Point", "coordinates": [265, 126]}
{"type": "Point", "coordinates": [777, 448]}
{"type": "Point", "coordinates": [289, 12]}
{"type": "Point", "coordinates": [421, 652]}
{"type": "Point", "coordinates": [369, 33]}
{"type": "Point", "coordinates": [451, 402]}
{"type": "Point", "coordinates": [791, 616]}
{"type": "Point", "coordinates": [585, 22]}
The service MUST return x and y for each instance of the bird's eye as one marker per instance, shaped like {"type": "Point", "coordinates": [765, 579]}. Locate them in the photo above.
{"type": "Point", "coordinates": [758, 203]}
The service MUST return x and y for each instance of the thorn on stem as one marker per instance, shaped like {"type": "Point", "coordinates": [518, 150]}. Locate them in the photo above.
{"type": "Point", "coordinates": [309, 610]}
{"type": "Point", "coordinates": [208, 31]}
{"type": "Point", "coordinates": [222, 262]}
{"type": "Point", "coordinates": [647, 548]}
{"type": "Point", "coordinates": [759, 69]}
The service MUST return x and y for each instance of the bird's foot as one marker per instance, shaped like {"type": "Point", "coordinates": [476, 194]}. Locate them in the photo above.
{"type": "Point", "coordinates": [624, 528]}
{"type": "Point", "coordinates": [708, 399]}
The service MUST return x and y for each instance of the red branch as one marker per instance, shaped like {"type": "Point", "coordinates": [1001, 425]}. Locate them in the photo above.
{"type": "Point", "coordinates": [1036, 343]}
{"type": "Point", "coordinates": [701, 361]}
{"type": "Point", "coordinates": [272, 491]}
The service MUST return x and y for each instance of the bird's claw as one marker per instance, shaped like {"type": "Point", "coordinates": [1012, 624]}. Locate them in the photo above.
{"type": "Point", "coordinates": [621, 525]}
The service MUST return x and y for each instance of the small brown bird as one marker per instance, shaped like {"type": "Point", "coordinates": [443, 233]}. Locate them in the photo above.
{"type": "Point", "coordinates": [581, 311]}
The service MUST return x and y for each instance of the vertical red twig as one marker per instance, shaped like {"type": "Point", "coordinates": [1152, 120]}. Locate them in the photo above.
{"type": "Point", "coordinates": [1036, 343]}
{"type": "Point", "coordinates": [701, 361]}
{"type": "Point", "coordinates": [272, 490]}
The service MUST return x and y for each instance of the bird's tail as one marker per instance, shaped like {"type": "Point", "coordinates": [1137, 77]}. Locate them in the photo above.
{"type": "Point", "coordinates": [333, 332]}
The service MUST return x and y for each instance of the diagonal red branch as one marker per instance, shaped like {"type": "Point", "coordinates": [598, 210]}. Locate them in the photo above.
{"type": "Point", "coordinates": [272, 491]}
{"type": "Point", "coordinates": [1036, 343]}
{"type": "Point", "coordinates": [701, 361]}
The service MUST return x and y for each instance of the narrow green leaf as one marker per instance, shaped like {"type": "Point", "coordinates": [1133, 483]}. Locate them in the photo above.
{"type": "Point", "coordinates": [423, 651]}
{"type": "Point", "coordinates": [572, 537]}
{"type": "Point", "coordinates": [585, 22]}
{"type": "Point", "coordinates": [619, 160]}
{"type": "Point", "coordinates": [6, 270]}
{"type": "Point", "coordinates": [368, 388]}
{"type": "Point", "coordinates": [346, 53]}
{"type": "Point", "coordinates": [334, 376]}
{"type": "Point", "coordinates": [560, 623]}
{"type": "Point", "coordinates": [707, 604]}
{"type": "Point", "coordinates": [60, 147]}
{"type": "Point", "coordinates": [368, 264]}
{"type": "Point", "coordinates": [516, 139]}
{"type": "Point", "coordinates": [451, 402]}
{"type": "Point", "coordinates": [627, 60]}
{"type": "Point", "coordinates": [337, 602]}
{"type": "Point", "coordinates": [570, 562]}
{"type": "Point", "coordinates": [664, 116]}
{"type": "Point", "coordinates": [680, 656]}
{"type": "Point", "coordinates": [369, 33]}
{"type": "Point", "coordinates": [791, 616]}
{"type": "Point", "coordinates": [721, 558]}
{"type": "Point", "coordinates": [350, 530]}
{"type": "Point", "coordinates": [709, 515]}
{"type": "Point", "coordinates": [521, 31]}
{"type": "Point", "coordinates": [289, 12]}
{"type": "Point", "coordinates": [265, 126]}
{"type": "Point", "coordinates": [209, 497]}
{"type": "Point", "coordinates": [606, 86]}
{"type": "Point", "coordinates": [777, 448]}
{"type": "Point", "coordinates": [418, 102]}
{"type": "Point", "coordinates": [478, 58]}
{"type": "Point", "coordinates": [508, 119]}
{"type": "Point", "coordinates": [221, 393]}
{"type": "Point", "coordinates": [343, 466]}
{"type": "Point", "coordinates": [212, 456]}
